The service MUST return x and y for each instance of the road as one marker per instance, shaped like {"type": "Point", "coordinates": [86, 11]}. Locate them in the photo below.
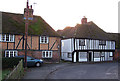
{"type": "Point", "coordinates": [74, 71]}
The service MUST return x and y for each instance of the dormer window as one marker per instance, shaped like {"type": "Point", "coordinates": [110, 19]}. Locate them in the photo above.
{"type": "Point", "coordinates": [102, 42]}
{"type": "Point", "coordinates": [44, 39]}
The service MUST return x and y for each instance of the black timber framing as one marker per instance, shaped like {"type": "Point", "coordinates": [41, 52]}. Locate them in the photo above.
{"type": "Point", "coordinates": [77, 54]}
{"type": "Point", "coordinates": [72, 56]}
{"type": "Point", "coordinates": [97, 50]}
{"type": "Point", "coordinates": [39, 43]}
{"type": "Point", "coordinates": [90, 42]}
{"type": "Point", "coordinates": [53, 45]}
{"type": "Point", "coordinates": [19, 42]}
{"type": "Point", "coordinates": [28, 46]}
{"type": "Point", "coordinates": [23, 42]}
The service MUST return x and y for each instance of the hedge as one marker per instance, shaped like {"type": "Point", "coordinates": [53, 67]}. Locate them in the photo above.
{"type": "Point", "coordinates": [10, 62]}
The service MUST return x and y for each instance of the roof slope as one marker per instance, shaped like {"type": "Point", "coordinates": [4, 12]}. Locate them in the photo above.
{"type": "Point", "coordinates": [89, 30]}
{"type": "Point", "coordinates": [14, 24]}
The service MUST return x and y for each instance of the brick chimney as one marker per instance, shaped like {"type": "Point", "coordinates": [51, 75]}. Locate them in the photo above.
{"type": "Point", "coordinates": [84, 20]}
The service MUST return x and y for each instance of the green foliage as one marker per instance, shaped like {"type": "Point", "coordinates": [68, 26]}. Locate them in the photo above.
{"type": "Point", "coordinates": [37, 28]}
{"type": "Point", "coordinates": [10, 62]}
{"type": "Point", "coordinates": [5, 73]}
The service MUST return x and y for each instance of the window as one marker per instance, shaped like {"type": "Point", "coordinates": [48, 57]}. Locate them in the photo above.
{"type": "Point", "coordinates": [69, 55]}
{"type": "Point", "coordinates": [102, 42]}
{"type": "Point", "coordinates": [43, 39]}
{"type": "Point", "coordinates": [10, 53]}
{"type": "Point", "coordinates": [47, 54]}
{"type": "Point", "coordinates": [6, 38]}
{"type": "Point", "coordinates": [110, 54]}
{"type": "Point", "coordinates": [81, 42]}
{"type": "Point", "coordinates": [82, 55]}
{"type": "Point", "coordinates": [96, 55]}
{"type": "Point", "coordinates": [102, 54]}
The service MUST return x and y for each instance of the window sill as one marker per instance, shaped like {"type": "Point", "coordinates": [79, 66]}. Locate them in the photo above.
{"type": "Point", "coordinates": [47, 57]}
{"type": "Point", "coordinates": [43, 43]}
{"type": "Point", "coordinates": [8, 41]}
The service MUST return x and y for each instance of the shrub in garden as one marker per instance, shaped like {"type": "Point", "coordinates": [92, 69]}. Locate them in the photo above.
{"type": "Point", "coordinates": [10, 62]}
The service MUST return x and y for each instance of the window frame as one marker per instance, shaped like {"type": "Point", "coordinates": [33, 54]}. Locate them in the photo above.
{"type": "Point", "coordinates": [44, 39]}
{"type": "Point", "coordinates": [10, 38]}
{"type": "Point", "coordinates": [82, 43]}
{"type": "Point", "coordinates": [48, 53]}
{"type": "Point", "coordinates": [69, 55]}
{"type": "Point", "coordinates": [14, 53]}
{"type": "Point", "coordinates": [110, 54]}
{"type": "Point", "coordinates": [102, 42]}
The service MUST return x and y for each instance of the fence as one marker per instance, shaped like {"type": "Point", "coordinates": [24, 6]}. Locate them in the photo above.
{"type": "Point", "coordinates": [17, 72]}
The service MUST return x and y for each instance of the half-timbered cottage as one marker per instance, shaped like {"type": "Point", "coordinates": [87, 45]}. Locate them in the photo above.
{"type": "Point", "coordinates": [43, 41]}
{"type": "Point", "coordinates": [86, 42]}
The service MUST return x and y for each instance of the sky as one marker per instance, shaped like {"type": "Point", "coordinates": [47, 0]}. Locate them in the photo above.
{"type": "Point", "coordinates": [62, 13]}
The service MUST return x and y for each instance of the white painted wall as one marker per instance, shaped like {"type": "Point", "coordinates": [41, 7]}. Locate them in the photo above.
{"type": "Point", "coordinates": [65, 57]}
{"type": "Point", "coordinates": [67, 45]}
{"type": "Point", "coordinates": [74, 57]}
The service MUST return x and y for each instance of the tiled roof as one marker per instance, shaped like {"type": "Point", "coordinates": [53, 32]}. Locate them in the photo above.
{"type": "Point", "coordinates": [14, 23]}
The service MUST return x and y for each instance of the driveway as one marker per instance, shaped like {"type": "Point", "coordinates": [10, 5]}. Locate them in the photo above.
{"type": "Point", "coordinates": [74, 71]}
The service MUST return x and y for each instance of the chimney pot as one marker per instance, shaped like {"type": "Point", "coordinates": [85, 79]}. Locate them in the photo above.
{"type": "Point", "coordinates": [84, 20]}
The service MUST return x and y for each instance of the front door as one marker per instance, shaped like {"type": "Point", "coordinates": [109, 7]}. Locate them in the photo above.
{"type": "Point", "coordinates": [90, 56]}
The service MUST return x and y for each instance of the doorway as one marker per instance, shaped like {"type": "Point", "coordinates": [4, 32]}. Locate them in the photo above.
{"type": "Point", "coordinates": [90, 56]}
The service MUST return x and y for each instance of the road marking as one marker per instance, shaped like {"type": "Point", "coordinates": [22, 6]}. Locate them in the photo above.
{"type": "Point", "coordinates": [110, 73]}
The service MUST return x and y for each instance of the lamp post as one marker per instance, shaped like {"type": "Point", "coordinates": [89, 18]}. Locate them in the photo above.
{"type": "Point", "coordinates": [28, 15]}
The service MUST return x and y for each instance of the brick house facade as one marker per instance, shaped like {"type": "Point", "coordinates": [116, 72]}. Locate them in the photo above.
{"type": "Point", "coordinates": [43, 42]}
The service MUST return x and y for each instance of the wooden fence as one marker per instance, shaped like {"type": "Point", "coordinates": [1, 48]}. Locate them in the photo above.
{"type": "Point", "coordinates": [17, 72]}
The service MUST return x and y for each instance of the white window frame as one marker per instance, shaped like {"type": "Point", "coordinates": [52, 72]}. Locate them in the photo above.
{"type": "Point", "coordinates": [10, 36]}
{"type": "Point", "coordinates": [49, 56]}
{"type": "Point", "coordinates": [14, 53]}
{"type": "Point", "coordinates": [44, 39]}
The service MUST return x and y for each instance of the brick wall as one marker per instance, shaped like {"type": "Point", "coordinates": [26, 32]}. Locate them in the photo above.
{"type": "Point", "coordinates": [38, 54]}
{"type": "Point", "coordinates": [116, 54]}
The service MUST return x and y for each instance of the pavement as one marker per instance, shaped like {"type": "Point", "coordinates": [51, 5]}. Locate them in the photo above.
{"type": "Point", "coordinates": [73, 71]}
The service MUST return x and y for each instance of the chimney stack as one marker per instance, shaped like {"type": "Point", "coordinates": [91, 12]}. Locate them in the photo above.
{"type": "Point", "coordinates": [84, 20]}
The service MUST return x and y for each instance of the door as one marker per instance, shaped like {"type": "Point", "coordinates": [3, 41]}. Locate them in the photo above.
{"type": "Point", "coordinates": [90, 56]}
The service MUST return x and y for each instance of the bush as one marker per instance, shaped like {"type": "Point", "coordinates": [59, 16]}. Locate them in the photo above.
{"type": "Point", "coordinates": [10, 62]}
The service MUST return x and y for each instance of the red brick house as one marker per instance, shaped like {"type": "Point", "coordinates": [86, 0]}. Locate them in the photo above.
{"type": "Point", "coordinates": [43, 41]}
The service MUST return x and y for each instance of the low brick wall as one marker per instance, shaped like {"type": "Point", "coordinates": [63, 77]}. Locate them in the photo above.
{"type": "Point", "coordinates": [38, 54]}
